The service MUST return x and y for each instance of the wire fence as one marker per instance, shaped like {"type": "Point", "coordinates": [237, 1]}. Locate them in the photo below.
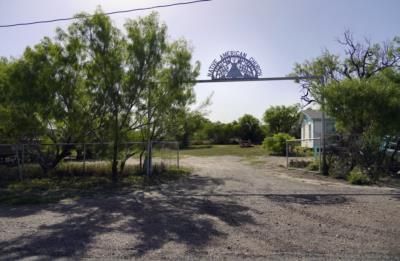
{"type": "Point", "coordinates": [82, 158]}
{"type": "Point", "coordinates": [344, 152]}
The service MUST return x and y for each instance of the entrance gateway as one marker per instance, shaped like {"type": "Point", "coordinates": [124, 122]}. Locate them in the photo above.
{"type": "Point", "coordinates": [236, 66]}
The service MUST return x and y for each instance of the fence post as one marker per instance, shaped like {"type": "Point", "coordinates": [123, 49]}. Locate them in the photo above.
{"type": "Point", "coordinates": [18, 162]}
{"type": "Point", "coordinates": [177, 155]}
{"type": "Point", "coordinates": [23, 158]}
{"type": "Point", "coordinates": [287, 155]}
{"type": "Point", "coordinates": [84, 158]}
{"type": "Point", "coordinates": [320, 157]}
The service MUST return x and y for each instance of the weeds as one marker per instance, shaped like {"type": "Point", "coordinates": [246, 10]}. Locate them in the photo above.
{"type": "Point", "coordinates": [356, 177]}
{"type": "Point", "coordinates": [313, 165]}
{"type": "Point", "coordinates": [68, 180]}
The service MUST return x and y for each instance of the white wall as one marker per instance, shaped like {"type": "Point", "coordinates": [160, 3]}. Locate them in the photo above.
{"type": "Point", "coordinates": [307, 130]}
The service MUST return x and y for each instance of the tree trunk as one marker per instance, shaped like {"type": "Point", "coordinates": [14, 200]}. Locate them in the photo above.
{"type": "Point", "coordinates": [47, 164]}
{"type": "Point", "coordinates": [115, 151]}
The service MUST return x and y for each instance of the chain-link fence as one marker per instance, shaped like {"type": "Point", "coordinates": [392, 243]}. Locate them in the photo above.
{"type": "Point", "coordinates": [376, 156]}
{"type": "Point", "coordinates": [304, 154]}
{"type": "Point", "coordinates": [78, 159]}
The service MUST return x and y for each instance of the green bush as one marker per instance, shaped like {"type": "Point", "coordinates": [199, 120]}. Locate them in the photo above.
{"type": "Point", "coordinates": [277, 143]}
{"type": "Point", "coordinates": [313, 165]}
{"type": "Point", "coordinates": [356, 177]}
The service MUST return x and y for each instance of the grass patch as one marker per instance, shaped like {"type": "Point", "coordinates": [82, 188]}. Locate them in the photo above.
{"type": "Point", "coordinates": [223, 150]}
{"type": "Point", "coordinates": [55, 188]}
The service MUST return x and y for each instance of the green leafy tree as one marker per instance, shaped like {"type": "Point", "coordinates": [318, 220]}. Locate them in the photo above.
{"type": "Point", "coordinates": [138, 81]}
{"type": "Point", "coordinates": [221, 133]}
{"type": "Point", "coordinates": [48, 100]}
{"type": "Point", "coordinates": [5, 113]}
{"type": "Point", "coordinates": [95, 84]}
{"type": "Point", "coordinates": [284, 119]}
{"type": "Point", "coordinates": [113, 78]}
{"type": "Point", "coordinates": [367, 111]}
{"type": "Point", "coordinates": [362, 60]}
{"type": "Point", "coordinates": [249, 129]}
{"type": "Point", "coordinates": [167, 75]}
{"type": "Point", "coordinates": [187, 125]}
{"type": "Point", "coordinates": [363, 105]}
{"type": "Point", "coordinates": [277, 143]}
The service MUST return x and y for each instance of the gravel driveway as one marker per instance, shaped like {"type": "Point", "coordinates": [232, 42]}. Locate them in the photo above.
{"type": "Point", "coordinates": [227, 209]}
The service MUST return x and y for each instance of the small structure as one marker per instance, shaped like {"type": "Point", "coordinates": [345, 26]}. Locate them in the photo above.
{"type": "Point", "coordinates": [311, 128]}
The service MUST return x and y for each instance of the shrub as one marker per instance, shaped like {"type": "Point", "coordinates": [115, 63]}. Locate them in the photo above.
{"type": "Point", "coordinates": [356, 177]}
{"type": "Point", "coordinates": [277, 143]}
{"type": "Point", "coordinates": [299, 163]}
{"type": "Point", "coordinates": [313, 165]}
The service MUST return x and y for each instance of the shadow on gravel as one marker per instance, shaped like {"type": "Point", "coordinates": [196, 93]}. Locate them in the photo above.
{"type": "Point", "coordinates": [20, 211]}
{"type": "Point", "coordinates": [309, 199]}
{"type": "Point", "coordinates": [139, 223]}
{"type": "Point", "coordinates": [397, 196]}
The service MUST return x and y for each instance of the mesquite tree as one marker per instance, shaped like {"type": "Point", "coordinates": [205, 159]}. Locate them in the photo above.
{"type": "Point", "coordinates": [95, 83]}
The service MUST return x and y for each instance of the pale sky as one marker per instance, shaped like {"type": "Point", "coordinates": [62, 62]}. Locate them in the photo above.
{"type": "Point", "coordinates": [277, 33]}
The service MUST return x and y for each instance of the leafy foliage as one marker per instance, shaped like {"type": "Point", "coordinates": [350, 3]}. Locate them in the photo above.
{"type": "Point", "coordinates": [367, 110]}
{"type": "Point", "coordinates": [361, 92]}
{"type": "Point", "coordinates": [356, 177]}
{"type": "Point", "coordinates": [362, 60]}
{"type": "Point", "coordinates": [93, 83]}
{"type": "Point", "coordinates": [365, 105]}
{"type": "Point", "coordinates": [277, 143]}
{"type": "Point", "coordinates": [249, 129]}
{"type": "Point", "coordinates": [284, 119]}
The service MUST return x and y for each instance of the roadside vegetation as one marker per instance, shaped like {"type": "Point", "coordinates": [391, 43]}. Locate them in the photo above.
{"type": "Point", "coordinates": [362, 94]}
{"type": "Point", "coordinates": [95, 83]}
{"type": "Point", "coordinates": [70, 181]}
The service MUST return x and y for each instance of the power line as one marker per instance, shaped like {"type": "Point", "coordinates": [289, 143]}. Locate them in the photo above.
{"type": "Point", "coordinates": [108, 13]}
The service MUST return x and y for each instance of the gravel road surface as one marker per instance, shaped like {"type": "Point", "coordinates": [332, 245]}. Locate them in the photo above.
{"type": "Point", "coordinates": [228, 209]}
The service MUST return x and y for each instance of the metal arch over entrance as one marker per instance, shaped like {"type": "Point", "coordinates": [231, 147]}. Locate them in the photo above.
{"type": "Point", "coordinates": [289, 78]}
{"type": "Point", "coordinates": [219, 73]}
{"type": "Point", "coordinates": [234, 65]}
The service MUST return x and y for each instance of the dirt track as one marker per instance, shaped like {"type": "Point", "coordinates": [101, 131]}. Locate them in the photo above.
{"type": "Point", "coordinates": [227, 209]}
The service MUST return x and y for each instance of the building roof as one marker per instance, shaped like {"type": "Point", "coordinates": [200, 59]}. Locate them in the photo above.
{"type": "Point", "coordinates": [314, 114]}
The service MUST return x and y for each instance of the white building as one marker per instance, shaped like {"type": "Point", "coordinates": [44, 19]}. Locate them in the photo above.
{"type": "Point", "coordinates": [311, 127]}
